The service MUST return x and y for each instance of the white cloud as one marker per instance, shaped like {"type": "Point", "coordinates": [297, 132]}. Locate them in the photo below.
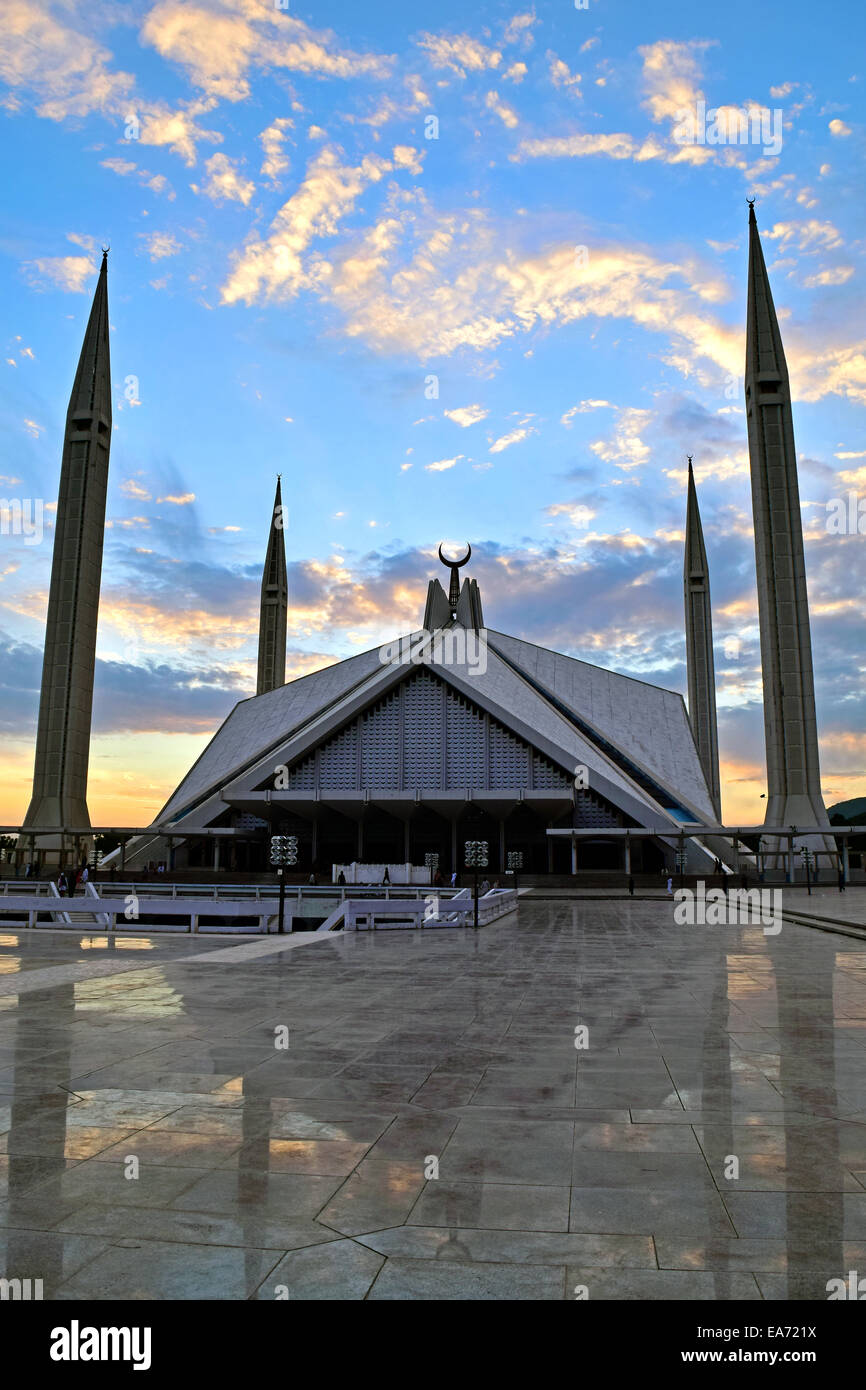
{"type": "Point", "coordinates": [505, 441]}
{"type": "Point", "coordinates": [625, 448]}
{"type": "Point", "coordinates": [159, 245]}
{"type": "Point", "coordinates": [840, 275]}
{"type": "Point", "coordinates": [274, 268]}
{"type": "Point", "coordinates": [71, 273]}
{"type": "Point", "coordinates": [582, 409]}
{"type": "Point", "coordinates": [224, 181]}
{"type": "Point", "coordinates": [507, 114]}
{"type": "Point", "coordinates": [272, 140]}
{"type": "Point", "coordinates": [219, 43]}
{"type": "Point", "coordinates": [578, 514]}
{"type": "Point", "coordinates": [806, 237]}
{"type": "Point", "coordinates": [442, 464]}
{"type": "Point", "coordinates": [560, 75]}
{"type": "Point", "coordinates": [465, 415]}
{"type": "Point", "coordinates": [459, 53]}
{"type": "Point", "coordinates": [839, 129]}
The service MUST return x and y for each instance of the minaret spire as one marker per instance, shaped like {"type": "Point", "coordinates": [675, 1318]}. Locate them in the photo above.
{"type": "Point", "coordinates": [65, 704]}
{"type": "Point", "coordinates": [793, 775]}
{"type": "Point", "coordinates": [273, 619]}
{"type": "Point", "coordinates": [699, 646]}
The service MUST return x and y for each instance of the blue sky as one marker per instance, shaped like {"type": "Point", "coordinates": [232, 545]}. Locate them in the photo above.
{"type": "Point", "coordinates": [511, 333]}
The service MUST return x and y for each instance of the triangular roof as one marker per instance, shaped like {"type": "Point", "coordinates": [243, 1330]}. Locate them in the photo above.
{"type": "Point", "coordinates": [634, 737]}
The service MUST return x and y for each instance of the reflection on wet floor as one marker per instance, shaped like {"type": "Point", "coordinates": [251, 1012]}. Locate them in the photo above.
{"type": "Point", "coordinates": [273, 1126]}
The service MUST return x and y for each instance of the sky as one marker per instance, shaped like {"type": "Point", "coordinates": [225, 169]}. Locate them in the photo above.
{"type": "Point", "coordinates": [457, 274]}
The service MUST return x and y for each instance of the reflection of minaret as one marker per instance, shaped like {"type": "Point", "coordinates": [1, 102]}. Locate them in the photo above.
{"type": "Point", "coordinates": [275, 605]}
{"type": "Point", "coordinates": [699, 647]}
{"type": "Point", "coordinates": [38, 1141]}
{"type": "Point", "coordinates": [793, 778]}
{"type": "Point", "coordinates": [63, 737]}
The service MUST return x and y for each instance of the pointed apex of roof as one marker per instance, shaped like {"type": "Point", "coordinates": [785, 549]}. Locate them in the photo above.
{"type": "Point", "coordinates": [91, 389]}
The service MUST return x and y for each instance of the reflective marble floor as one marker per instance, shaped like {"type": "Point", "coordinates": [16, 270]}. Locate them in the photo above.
{"type": "Point", "coordinates": [158, 1139]}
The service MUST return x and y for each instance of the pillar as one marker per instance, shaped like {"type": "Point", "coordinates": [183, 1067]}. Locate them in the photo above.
{"type": "Point", "coordinates": [573, 855]}
{"type": "Point", "coordinates": [627, 860]}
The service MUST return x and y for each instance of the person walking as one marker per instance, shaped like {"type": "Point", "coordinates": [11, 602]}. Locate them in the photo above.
{"type": "Point", "coordinates": [842, 884]}
{"type": "Point", "coordinates": [61, 884]}
{"type": "Point", "coordinates": [630, 886]}
{"type": "Point", "coordinates": [485, 887]}
{"type": "Point", "coordinates": [454, 879]}
{"type": "Point", "coordinates": [670, 887]}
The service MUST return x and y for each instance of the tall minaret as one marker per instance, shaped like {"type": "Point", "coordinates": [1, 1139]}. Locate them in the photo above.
{"type": "Point", "coordinates": [63, 736]}
{"type": "Point", "coordinates": [699, 647]}
{"type": "Point", "coordinates": [275, 606]}
{"type": "Point", "coordinates": [793, 777]}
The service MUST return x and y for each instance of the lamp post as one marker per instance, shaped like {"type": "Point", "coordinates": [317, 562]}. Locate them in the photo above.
{"type": "Point", "coordinates": [476, 858]}
{"type": "Point", "coordinates": [431, 862]}
{"type": "Point", "coordinates": [284, 854]}
{"type": "Point", "coordinates": [514, 863]}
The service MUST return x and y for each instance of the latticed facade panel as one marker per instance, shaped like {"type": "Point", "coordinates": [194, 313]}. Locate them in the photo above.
{"type": "Point", "coordinates": [426, 735]}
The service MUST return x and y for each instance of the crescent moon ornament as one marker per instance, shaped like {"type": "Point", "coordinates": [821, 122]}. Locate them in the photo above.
{"type": "Point", "coordinates": [454, 566]}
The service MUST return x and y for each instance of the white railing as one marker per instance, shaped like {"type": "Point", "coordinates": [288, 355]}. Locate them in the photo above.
{"type": "Point", "coordinates": [115, 906]}
{"type": "Point", "coordinates": [455, 911]}
{"type": "Point", "coordinates": [112, 913]}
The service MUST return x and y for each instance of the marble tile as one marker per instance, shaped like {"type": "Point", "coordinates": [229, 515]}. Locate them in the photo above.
{"type": "Point", "coordinates": [340, 1270]}
{"type": "Point", "coordinates": [647, 1285]}
{"type": "Point", "coordinates": [506, 1206]}
{"type": "Point", "coordinates": [151, 1269]}
{"type": "Point", "coordinates": [450, 1282]}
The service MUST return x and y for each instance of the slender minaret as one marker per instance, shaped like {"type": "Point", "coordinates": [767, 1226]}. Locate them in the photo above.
{"type": "Point", "coordinates": [699, 647]}
{"type": "Point", "coordinates": [275, 606]}
{"type": "Point", "coordinates": [793, 776]}
{"type": "Point", "coordinates": [63, 735]}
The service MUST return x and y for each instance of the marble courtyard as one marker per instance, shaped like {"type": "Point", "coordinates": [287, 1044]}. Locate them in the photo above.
{"type": "Point", "coordinates": [159, 1141]}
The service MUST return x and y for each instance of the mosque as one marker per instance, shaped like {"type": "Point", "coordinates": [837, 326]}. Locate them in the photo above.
{"type": "Point", "coordinates": [457, 731]}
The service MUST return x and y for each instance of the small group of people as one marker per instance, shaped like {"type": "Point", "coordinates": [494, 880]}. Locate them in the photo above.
{"type": "Point", "coordinates": [70, 880]}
